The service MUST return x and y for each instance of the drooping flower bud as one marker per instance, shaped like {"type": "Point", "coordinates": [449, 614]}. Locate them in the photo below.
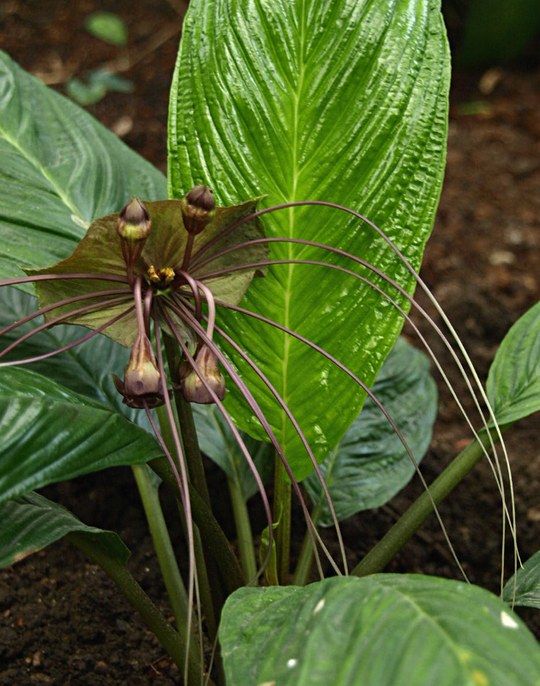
{"type": "Point", "coordinates": [198, 209]}
{"type": "Point", "coordinates": [192, 386]}
{"type": "Point", "coordinates": [133, 227]}
{"type": "Point", "coordinates": [142, 380]}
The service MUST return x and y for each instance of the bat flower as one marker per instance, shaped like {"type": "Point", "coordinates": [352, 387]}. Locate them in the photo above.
{"type": "Point", "coordinates": [141, 269]}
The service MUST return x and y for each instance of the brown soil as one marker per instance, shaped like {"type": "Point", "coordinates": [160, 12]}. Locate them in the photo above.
{"type": "Point", "coordinates": [62, 621]}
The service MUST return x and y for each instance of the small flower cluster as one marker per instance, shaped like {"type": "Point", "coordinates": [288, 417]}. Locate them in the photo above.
{"type": "Point", "coordinates": [142, 385]}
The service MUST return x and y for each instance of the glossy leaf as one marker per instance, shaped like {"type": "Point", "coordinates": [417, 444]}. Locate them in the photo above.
{"type": "Point", "coordinates": [513, 384]}
{"type": "Point", "coordinates": [60, 170]}
{"type": "Point", "coordinates": [403, 630]}
{"type": "Point", "coordinates": [100, 253]}
{"type": "Point", "coordinates": [370, 465]}
{"type": "Point", "coordinates": [218, 443]}
{"type": "Point", "coordinates": [32, 522]}
{"type": "Point", "coordinates": [524, 589]}
{"type": "Point", "coordinates": [86, 369]}
{"type": "Point", "coordinates": [50, 433]}
{"type": "Point", "coordinates": [335, 101]}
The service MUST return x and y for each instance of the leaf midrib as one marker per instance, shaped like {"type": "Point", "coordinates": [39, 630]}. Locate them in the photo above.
{"type": "Point", "coordinates": [292, 197]}
{"type": "Point", "coordinates": [41, 169]}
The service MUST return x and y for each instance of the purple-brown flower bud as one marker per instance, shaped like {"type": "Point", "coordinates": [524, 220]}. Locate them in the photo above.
{"type": "Point", "coordinates": [134, 223]}
{"type": "Point", "coordinates": [198, 209]}
{"type": "Point", "coordinates": [192, 386]}
{"type": "Point", "coordinates": [133, 227]}
{"type": "Point", "coordinates": [142, 380]}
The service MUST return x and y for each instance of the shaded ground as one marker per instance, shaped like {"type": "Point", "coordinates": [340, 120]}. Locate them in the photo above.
{"type": "Point", "coordinates": [61, 620]}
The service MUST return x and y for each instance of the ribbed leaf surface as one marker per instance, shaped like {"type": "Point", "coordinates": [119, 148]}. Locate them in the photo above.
{"type": "Point", "coordinates": [513, 383]}
{"type": "Point", "coordinates": [370, 464]}
{"type": "Point", "coordinates": [330, 100]}
{"type": "Point", "coordinates": [60, 170]}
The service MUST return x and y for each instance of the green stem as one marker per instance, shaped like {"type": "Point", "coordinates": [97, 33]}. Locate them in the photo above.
{"type": "Point", "coordinates": [208, 591]}
{"type": "Point", "coordinates": [211, 531]}
{"type": "Point", "coordinates": [282, 516]}
{"type": "Point", "coordinates": [305, 559]}
{"type": "Point", "coordinates": [201, 560]}
{"type": "Point", "coordinates": [243, 531]}
{"type": "Point", "coordinates": [162, 543]}
{"type": "Point", "coordinates": [173, 642]}
{"type": "Point", "coordinates": [305, 562]}
{"type": "Point", "coordinates": [411, 520]}
{"type": "Point", "coordinates": [187, 426]}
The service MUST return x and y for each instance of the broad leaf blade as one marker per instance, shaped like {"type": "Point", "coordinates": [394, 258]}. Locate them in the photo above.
{"type": "Point", "coordinates": [86, 369]}
{"type": "Point", "coordinates": [524, 589]}
{"type": "Point", "coordinates": [50, 433]}
{"type": "Point", "coordinates": [60, 169]}
{"type": "Point", "coordinates": [32, 522]}
{"type": "Point", "coordinates": [513, 384]}
{"type": "Point", "coordinates": [403, 630]}
{"type": "Point", "coordinates": [370, 465]}
{"type": "Point", "coordinates": [332, 101]}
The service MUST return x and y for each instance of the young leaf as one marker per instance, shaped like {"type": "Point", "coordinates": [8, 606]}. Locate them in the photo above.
{"type": "Point", "coordinates": [370, 465]}
{"type": "Point", "coordinates": [513, 384]}
{"type": "Point", "coordinates": [524, 588]}
{"type": "Point", "coordinates": [50, 433]}
{"type": "Point", "coordinates": [60, 170]}
{"type": "Point", "coordinates": [32, 522]}
{"type": "Point", "coordinates": [404, 630]}
{"type": "Point", "coordinates": [331, 101]}
{"type": "Point", "coordinates": [108, 27]}
{"type": "Point", "coordinates": [99, 82]}
{"type": "Point", "coordinates": [85, 93]}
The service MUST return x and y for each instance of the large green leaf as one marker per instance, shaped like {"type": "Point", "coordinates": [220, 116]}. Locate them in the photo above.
{"type": "Point", "coordinates": [403, 630]}
{"type": "Point", "coordinates": [60, 170]}
{"type": "Point", "coordinates": [330, 100]}
{"type": "Point", "coordinates": [50, 433]}
{"type": "Point", "coordinates": [370, 465]}
{"type": "Point", "coordinates": [524, 588]}
{"type": "Point", "coordinates": [32, 522]}
{"type": "Point", "coordinates": [513, 384]}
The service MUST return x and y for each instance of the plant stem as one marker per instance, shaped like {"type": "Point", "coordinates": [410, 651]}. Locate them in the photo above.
{"type": "Point", "coordinates": [187, 427]}
{"type": "Point", "coordinates": [173, 642]}
{"type": "Point", "coordinates": [202, 561]}
{"type": "Point", "coordinates": [210, 530]}
{"type": "Point", "coordinates": [162, 543]}
{"type": "Point", "coordinates": [243, 532]}
{"type": "Point", "coordinates": [413, 518]}
{"type": "Point", "coordinates": [282, 516]}
{"type": "Point", "coordinates": [305, 560]}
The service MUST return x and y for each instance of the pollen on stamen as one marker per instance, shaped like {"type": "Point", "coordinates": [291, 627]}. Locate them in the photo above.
{"type": "Point", "coordinates": [160, 277]}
